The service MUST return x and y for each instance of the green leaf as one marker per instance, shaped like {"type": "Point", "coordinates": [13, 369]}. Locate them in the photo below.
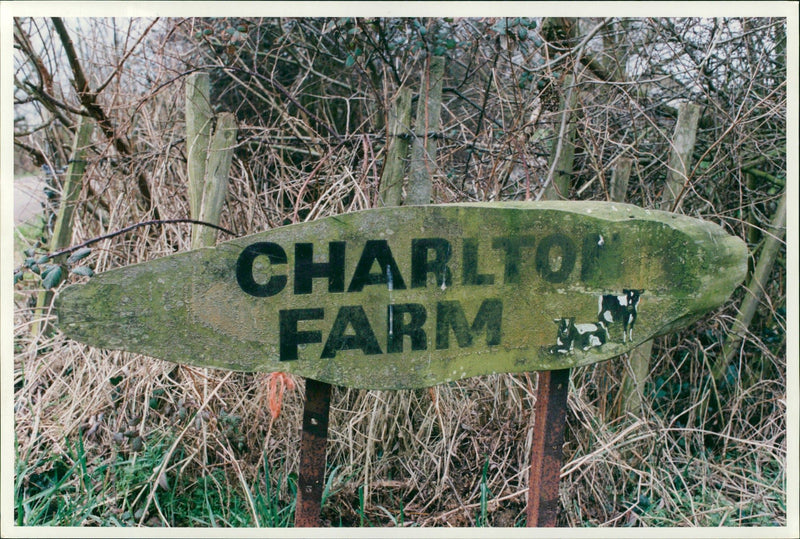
{"type": "Point", "coordinates": [350, 61]}
{"type": "Point", "coordinates": [79, 255]}
{"type": "Point", "coordinates": [85, 271]}
{"type": "Point", "coordinates": [17, 277]}
{"type": "Point", "coordinates": [52, 277]}
{"type": "Point", "coordinates": [450, 43]}
{"type": "Point", "coordinates": [43, 259]}
{"type": "Point", "coordinates": [522, 32]}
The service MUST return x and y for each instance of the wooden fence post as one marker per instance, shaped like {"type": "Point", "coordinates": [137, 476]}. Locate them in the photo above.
{"type": "Point", "coordinates": [426, 128]}
{"type": "Point", "coordinates": [755, 289]}
{"type": "Point", "coordinates": [62, 232]}
{"type": "Point", "coordinates": [619, 179]}
{"type": "Point", "coordinates": [199, 117]}
{"type": "Point", "coordinates": [560, 170]}
{"type": "Point", "coordinates": [680, 158]}
{"type": "Point", "coordinates": [391, 188]}
{"type": "Point", "coordinates": [209, 156]}
{"type": "Point", "coordinates": [215, 184]}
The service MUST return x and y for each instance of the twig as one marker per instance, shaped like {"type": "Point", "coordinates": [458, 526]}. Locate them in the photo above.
{"type": "Point", "coordinates": [72, 248]}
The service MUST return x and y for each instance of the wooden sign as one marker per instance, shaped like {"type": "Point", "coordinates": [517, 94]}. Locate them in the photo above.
{"type": "Point", "coordinates": [416, 296]}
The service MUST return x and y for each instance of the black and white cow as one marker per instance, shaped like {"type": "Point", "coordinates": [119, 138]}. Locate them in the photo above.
{"type": "Point", "coordinates": [583, 336]}
{"type": "Point", "coordinates": [613, 309]}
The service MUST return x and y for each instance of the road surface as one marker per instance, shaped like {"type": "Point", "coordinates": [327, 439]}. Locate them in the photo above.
{"type": "Point", "coordinates": [28, 198]}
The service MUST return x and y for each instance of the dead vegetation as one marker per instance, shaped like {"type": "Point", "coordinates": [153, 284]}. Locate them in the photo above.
{"type": "Point", "coordinates": [311, 99]}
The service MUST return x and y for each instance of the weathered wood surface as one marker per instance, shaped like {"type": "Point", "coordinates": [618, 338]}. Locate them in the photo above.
{"type": "Point", "coordinates": [62, 231]}
{"type": "Point", "coordinates": [415, 296]}
{"type": "Point", "coordinates": [199, 119]}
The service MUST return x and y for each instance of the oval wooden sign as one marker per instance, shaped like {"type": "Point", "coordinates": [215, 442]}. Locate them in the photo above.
{"type": "Point", "coordinates": [415, 296]}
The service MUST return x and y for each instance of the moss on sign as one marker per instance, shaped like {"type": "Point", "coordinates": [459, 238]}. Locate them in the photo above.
{"type": "Point", "coordinates": [415, 296]}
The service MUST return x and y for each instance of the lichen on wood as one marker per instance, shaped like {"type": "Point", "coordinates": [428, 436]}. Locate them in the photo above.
{"type": "Point", "coordinates": [471, 289]}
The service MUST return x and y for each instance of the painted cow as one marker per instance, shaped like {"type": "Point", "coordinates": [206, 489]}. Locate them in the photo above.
{"type": "Point", "coordinates": [584, 336]}
{"type": "Point", "coordinates": [613, 309]}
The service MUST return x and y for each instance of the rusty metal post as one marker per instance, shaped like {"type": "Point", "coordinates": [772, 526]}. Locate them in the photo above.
{"type": "Point", "coordinates": [550, 414]}
{"type": "Point", "coordinates": [311, 478]}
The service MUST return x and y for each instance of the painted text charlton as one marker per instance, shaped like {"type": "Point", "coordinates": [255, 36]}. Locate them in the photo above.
{"type": "Point", "coordinates": [554, 259]}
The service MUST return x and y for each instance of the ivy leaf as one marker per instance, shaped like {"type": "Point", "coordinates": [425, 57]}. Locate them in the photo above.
{"type": "Point", "coordinates": [51, 277]}
{"type": "Point", "coordinates": [350, 61]}
{"type": "Point", "coordinates": [17, 277]}
{"type": "Point", "coordinates": [80, 254]}
{"type": "Point", "coordinates": [85, 271]}
{"type": "Point", "coordinates": [43, 259]}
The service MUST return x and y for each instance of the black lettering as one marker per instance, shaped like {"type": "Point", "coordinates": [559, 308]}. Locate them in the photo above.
{"type": "Point", "coordinates": [567, 248]}
{"type": "Point", "coordinates": [290, 338]}
{"type": "Point", "coordinates": [397, 327]}
{"type": "Point", "coordinates": [244, 269]}
{"type": "Point", "coordinates": [469, 271]}
{"type": "Point", "coordinates": [363, 336]}
{"type": "Point", "coordinates": [305, 269]}
{"type": "Point", "coordinates": [421, 266]}
{"type": "Point", "coordinates": [512, 246]}
{"type": "Point", "coordinates": [450, 315]}
{"type": "Point", "coordinates": [376, 250]}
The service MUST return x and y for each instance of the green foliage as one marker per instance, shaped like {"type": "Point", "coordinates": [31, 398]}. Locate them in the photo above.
{"type": "Point", "coordinates": [482, 518]}
{"type": "Point", "coordinates": [51, 275]}
{"type": "Point", "coordinates": [78, 255]}
{"type": "Point", "coordinates": [66, 490]}
{"type": "Point", "coordinates": [84, 271]}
